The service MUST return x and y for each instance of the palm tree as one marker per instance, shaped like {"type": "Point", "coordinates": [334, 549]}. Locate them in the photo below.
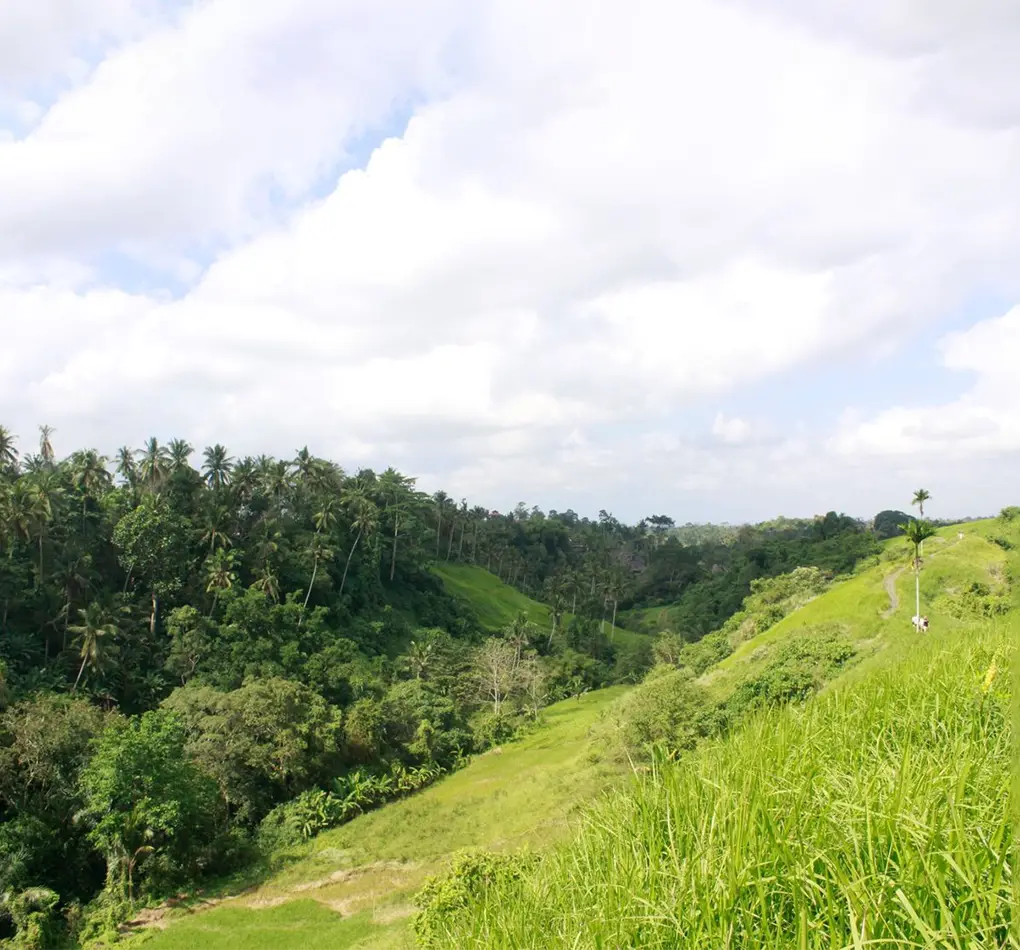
{"type": "Point", "coordinates": [916, 531]}
{"type": "Point", "coordinates": [219, 575]}
{"type": "Point", "coordinates": [92, 629]}
{"type": "Point", "coordinates": [319, 552]}
{"type": "Point", "coordinates": [8, 453]}
{"type": "Point", "coordinates": [180, 450]}
{"type": "Point", "coordinates": [89, 476]}
{"type": "Point", "coordinates": [395, 489]}
{"type": "Point", "coordinates": [217, 467]}
{"type": "Point", "coordinates": [441, 500]}
{"type": "Point", "coordinates": [127, 468]}
{"type": "Point", "coordinates": [154, 464]}
{"type": "Point", "coordinates": [45, 445]}
{"type": "Point", "coordinates": [268, 583]}
{"type": "Point", "coordinates": [364, 519]}
{"type": "Point", "coordinates": [215, 528]}
{"type": "Point", "coordinates": [920, 497]}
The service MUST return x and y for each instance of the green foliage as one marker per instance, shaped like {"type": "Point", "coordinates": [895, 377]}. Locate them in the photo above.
{"type": "Point", "coordinates": [33, 913]}
{"type": "Point", "coordinates": [668, 709]}
{"type": "Point", "coordinates": [262, 743]}
{"type": "Point", "coordinates": [150, 812]}
{"type": "Point", "coordinates": [888, 524]}
{"type": "Point", "coordinates": [975, 602]}
{"type": "Point", "coordinates": [471, 873]}
{"type": "Point", "coordinates": [798, 668]}
{"type": "Point", "coordinates": [1010, 514]}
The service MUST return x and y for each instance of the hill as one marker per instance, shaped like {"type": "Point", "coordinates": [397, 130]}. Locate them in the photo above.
{"type": "Point", "coordinates": [873, 814]}
{"type": "Point", "coordinates": [496, 604]}
{"type": "Point", "coordinates": [351, 887]}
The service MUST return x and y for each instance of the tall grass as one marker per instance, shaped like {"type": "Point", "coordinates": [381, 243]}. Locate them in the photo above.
{"type": "Point", "coordinates": [875, 816]}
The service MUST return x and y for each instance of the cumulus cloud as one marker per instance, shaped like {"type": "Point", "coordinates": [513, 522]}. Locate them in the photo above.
{"type": "Point", "coordinates": [596, 216]}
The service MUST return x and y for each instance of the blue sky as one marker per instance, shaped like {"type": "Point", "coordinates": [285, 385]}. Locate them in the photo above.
{"type": "Point", "coordinates": [722, 261]}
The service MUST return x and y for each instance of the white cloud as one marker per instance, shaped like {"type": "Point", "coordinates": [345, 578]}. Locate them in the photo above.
{"type": "Point", "coordinates": [598, 215]}
{"type": "Point", "coordinates": [984, 421]}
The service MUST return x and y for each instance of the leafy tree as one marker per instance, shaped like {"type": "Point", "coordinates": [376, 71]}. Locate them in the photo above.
{"type": "Point", "coordinates": [887, 523]}
{"type": "Point", "coordinates": [149, 810]}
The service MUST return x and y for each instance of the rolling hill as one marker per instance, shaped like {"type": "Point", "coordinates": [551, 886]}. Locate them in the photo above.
{"type": "Point", "coordinates": [873, 815]}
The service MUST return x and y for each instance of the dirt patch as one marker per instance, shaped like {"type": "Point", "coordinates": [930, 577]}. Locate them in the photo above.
{"type": "Point", "coordinates": [351, 874]}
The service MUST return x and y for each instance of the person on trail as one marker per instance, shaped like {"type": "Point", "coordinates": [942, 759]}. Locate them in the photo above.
{"type": "Point", "coordinates": [924, 624]}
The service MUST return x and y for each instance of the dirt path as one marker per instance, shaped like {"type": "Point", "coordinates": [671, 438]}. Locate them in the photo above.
{"type": "Point", "coordinates": [890, 589]}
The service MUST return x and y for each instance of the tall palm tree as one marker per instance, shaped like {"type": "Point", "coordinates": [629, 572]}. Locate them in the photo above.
{"type": "Point", "coordinates": [920, 497]}
{"type": "Point", "coordinates": [319, 552]}
{"type": "Point", "coordinates": [179, 450]}
{"type": "Point", "coordinates": [127, 467]}
{"type": "Point", "coordinates": [916, 531]}
{"type": "Point", "coordinates": [90, 632]}
{"type": "Point", "coordinates": [441, 500]}
{"type": "Point", "coordinates": [154, 464]}
{"type": "Point", "coordinates": [219, 575]}
{"type": "Point", "coordinates": [217, 466]}
{"type": "Point", "coordinates": [395, 491]}
{"type": "Point", "coordinates": [45, 445]}
{"type": "Point", "coordinates": [89, 476]}
{"type": "Point", "coordinates": [8, 453]}
{"type": "Point", "coordinates": [364, 517]}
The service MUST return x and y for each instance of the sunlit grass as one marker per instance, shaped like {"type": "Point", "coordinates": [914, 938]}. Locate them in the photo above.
{"type": "Point", "coordinates": [877, 815]}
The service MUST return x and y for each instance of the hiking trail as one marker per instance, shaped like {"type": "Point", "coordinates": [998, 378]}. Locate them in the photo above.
{"type": "Point", "coordinates": [890, 589]}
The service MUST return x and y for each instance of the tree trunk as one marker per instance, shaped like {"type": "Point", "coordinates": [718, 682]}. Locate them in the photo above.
{"type": "Point", "coordinates": [460, 547]}
{"type": "Point", "coordinates": [152, 616]}
{"type": "Point", "coordinates": [917, 586]}
{"type": "Point", "coordinates": [439, 528]}
{"type": "Point", "coordinates": [474, 545]}
{"type": "Point", "coordinates": [449, 547]}
{"type": "Point", "coordinates": [612, 635]}
{"type": "Point", "coordinates": [343, 580]}
{"type": "Point", "coordinates": [81, 670]}
{"type": "Point", "coordinates": [393, 559]}
{"type": "Point", "coordinates": [311, 584]}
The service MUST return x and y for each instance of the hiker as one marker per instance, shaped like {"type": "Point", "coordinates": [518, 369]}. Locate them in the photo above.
{"type": "Point", "coordinates": [924, 624]}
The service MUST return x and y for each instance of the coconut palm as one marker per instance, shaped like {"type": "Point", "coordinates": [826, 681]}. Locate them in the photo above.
{"type": "Point", "coordinates": [219, 574]}
{"type": "Point", "coordinates": [8, 453]}
{"type": "Point", "coordinates": [127, 467]}
{"type": "Point", "coordinates": [154, 464]}
{"type": "Point", "coordinates": [916, 531]}
{"type": "Point", "coordinates": [217, 466]}
{"type": "Point", "coordinates": [268, 583]}
{"type": "Point", "coordinates": [180, 450]}
{"type": "Point", "coordinates": [364, 518]}
{"type": "Point", "coordinates": [45, 445]}
{"type": "Point", "coordinates": [89, 475]}
{"type": "Point", "coordinates": [91, 632]}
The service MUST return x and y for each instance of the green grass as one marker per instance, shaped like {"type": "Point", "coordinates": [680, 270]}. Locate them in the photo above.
{"type": "Point", "coordinates": [351, 887]}
{"type": "Point", "coordinates": [876, 815]}
{"type": "Point", "coordinates": [496, 604]}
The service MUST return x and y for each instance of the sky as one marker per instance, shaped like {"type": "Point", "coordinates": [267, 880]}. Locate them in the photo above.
{"type": "Point", "coordinates": [718, 259]}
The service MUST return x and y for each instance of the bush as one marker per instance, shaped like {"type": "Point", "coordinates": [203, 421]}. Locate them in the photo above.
{"type": "Point", "coordinates": [445, 896]}
{"type": "Point", "coordinates": [670, 709]}
{"type": "Point", "coordinates": [800, 667]}
{"type": "Point", "coordinates": [973, 603]}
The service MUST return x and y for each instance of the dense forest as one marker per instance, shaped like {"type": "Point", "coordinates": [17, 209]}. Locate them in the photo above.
{"type": "Point", "coordinates": [199, 662]}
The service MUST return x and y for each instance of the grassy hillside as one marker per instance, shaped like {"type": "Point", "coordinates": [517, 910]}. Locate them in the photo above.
{"type": "Point", "coordinates": [496, 604]}
{"type": "Point", "coordinates": [351, 887]}
{"type": "Point", "coordinates": [874, 815]}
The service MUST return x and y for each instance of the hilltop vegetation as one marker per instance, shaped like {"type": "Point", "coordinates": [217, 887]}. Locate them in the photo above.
{"type": "Point", "coordinates": [876, 814]}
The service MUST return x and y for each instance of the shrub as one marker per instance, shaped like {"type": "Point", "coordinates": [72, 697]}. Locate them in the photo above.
{"type": "Point", "coordinates": [472, 872]}
{"type": "Point", "coordinates": [975, 602]}
{"type": "Point", "coordinates": [799, 668]}
{"type": "Point", "coordinates": [670, 709]}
